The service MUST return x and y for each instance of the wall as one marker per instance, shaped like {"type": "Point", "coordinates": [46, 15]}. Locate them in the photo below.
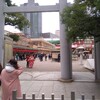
{"type": "Point", "coordinates": [8, 49]}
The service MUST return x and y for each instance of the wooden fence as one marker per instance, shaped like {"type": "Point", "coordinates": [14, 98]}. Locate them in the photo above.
{"type": "Point", "coordinates": [52, 97]}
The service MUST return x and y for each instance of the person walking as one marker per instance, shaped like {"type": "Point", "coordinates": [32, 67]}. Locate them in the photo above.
{"type": "Point", "coordinates": [10, 80]}
{"type": "Point", "coordinates": [27, 62]}
{"type": "Point", "coordinates": [59, 57]}
{"type": "Point", "coordinates": [45, 57]}
{"type": "Point", "coordinates": [31, 61]}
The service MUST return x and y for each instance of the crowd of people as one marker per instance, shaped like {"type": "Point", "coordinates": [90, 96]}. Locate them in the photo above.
{"type": "Point", "coordinates": [30, 58]}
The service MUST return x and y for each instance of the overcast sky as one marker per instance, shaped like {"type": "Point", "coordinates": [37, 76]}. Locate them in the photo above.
{"type": "Point", "coordinates": [48, 24]}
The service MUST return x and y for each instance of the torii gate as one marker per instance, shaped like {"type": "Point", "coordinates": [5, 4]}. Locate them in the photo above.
{"type": "Point", "coordinates": [66, 61]}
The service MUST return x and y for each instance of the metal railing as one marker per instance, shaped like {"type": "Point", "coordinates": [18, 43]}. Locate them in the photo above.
{"type": "Point", "coordinates": [14, 97]}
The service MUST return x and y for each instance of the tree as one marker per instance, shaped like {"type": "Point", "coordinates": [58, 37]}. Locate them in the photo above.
{"type": "Point", "coordinates": [15, 37]}
{"type": "Point", "coordinates": [15, 19]}
{"type": "Point", "coordinates": [8, 2]}
{"type": "Point", "coordinates": [82, 19]}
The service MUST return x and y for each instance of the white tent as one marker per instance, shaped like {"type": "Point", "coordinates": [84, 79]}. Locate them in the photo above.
{"type": "Point", "coordinates": [74, 46]}
{"type": "Point", "coordinates": [80, 47]}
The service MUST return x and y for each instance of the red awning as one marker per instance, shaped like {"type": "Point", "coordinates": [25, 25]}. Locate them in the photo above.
{"type": "Point", "coordinates": [23, 50]}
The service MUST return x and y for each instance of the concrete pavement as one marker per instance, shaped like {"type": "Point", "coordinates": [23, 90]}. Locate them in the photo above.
{"type": "Point", "coordinates": [44, 78]}
{"type": "Point", "coordinates": [39, 80]}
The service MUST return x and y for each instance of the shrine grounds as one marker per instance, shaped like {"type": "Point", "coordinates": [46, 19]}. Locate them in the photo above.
{"type": "Point", "coordinates": [44, 78]}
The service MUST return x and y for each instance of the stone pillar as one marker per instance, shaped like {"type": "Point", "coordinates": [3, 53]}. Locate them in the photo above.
{"type": "Point", "coordinates": [1, 31]}
{"type": "Point", "coordinates": [97, 61]}
{"type": "Point", "coordinates": [65, 50]}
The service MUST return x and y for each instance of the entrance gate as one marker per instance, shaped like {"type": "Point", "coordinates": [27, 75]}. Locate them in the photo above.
{"type": "Point", "coordinates": [66, 59]}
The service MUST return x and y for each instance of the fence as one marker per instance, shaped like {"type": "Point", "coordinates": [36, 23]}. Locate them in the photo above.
{"type": "Point", "coordinates": [52, 97]}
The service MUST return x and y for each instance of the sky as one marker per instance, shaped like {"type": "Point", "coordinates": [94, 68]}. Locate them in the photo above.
{"type": "Point", "coordinates": [48, 24]}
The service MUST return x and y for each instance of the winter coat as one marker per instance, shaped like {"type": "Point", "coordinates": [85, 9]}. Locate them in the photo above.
{"type": "Point", "coordinates": [10, 81]}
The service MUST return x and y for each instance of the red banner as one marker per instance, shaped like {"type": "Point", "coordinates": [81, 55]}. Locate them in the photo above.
{"type": "Point", "coordinates": [23, 50]}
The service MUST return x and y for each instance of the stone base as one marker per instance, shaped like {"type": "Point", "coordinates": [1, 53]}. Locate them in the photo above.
{"type": "Point", "coordinates": [97, 81]}
{"type": "Point", "coordinates": [65, 81]}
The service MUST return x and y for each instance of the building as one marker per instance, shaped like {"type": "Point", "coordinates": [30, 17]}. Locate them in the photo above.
{"type": "Point", "coordinates": [57, 32]}
{"type": "Point", "coordinates": [41, 45]}
{"type": "Point", "coordinates": [49, 35]}
{"type": "Point", "coordinates": [35, 19]}
{"type": "Point", "coordinates": [30, 45]}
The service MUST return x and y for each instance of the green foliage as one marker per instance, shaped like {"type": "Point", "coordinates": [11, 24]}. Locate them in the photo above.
{"type": "Point", "coordinates": [8, 2]}
{"type": "Point", "coordinates": [15, 37]}
{"type": "Point", "coordinates": [82, 19]}
{"type": "Point", "coordinates": [15, 19]}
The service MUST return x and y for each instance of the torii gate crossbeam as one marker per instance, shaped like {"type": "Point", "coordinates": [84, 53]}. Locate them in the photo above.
{"type": "Point", "coordinates": [66, 63]}
{"type": "Point", "coordinates": [32, 8]}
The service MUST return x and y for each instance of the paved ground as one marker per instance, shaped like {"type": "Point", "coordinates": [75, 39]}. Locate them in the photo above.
{"type": "Point", "coordinates": [44, 78]}
{"type": "Point", "coordinates": [51, 66]}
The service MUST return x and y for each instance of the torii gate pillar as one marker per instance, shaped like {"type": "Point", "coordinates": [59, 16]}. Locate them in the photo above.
{"type": "Point", "coordinates": [2, 17]}
{"type": "Point", "coordinates": [65, 50]}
